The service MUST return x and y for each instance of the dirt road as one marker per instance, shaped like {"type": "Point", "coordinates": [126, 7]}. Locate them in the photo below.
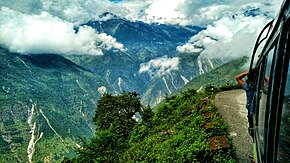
{"type": "Point", "coordinates": [231, 104]}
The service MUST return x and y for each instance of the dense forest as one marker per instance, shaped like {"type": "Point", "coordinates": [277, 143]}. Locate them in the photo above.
{"type": "Point", "coordinates": [184, 128]}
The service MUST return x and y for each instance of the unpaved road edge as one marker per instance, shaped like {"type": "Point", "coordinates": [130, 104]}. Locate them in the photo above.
{"type": "Point", "coordinates": [231, 104]}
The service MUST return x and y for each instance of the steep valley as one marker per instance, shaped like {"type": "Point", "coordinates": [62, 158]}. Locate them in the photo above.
{"type": "Point", "coordinates": [48, 100]}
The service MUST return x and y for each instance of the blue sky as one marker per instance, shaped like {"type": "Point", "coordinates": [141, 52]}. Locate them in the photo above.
{"type": "Point", "coordinates": [115, 1]}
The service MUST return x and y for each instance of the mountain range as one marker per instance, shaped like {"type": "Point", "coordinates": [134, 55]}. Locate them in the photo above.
{"type": "Point", "coordinates": [48, 100]}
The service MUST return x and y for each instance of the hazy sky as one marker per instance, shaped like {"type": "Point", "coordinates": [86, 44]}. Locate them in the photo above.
{"type": "Point", "coordinates": [46, 26]}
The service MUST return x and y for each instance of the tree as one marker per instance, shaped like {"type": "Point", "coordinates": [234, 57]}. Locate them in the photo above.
{"type": "Point", "coordinates": [117, 111]}
{"type": "Point", "coordinates": [114, 124]}
{"type": "Point", "coordinates": [105, 146]}
{"type": "Point", "coordinates": [147, 114]}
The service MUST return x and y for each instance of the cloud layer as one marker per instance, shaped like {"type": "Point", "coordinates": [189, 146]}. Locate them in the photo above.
{"type": "Point", "coordinates": [44, 33]}
{"type": "Point", "coordinates": [231, 36]}
{"type": "Point", "coordinates": [182, 12]}
{"type": "Point", "coordinates": [194, 12]}
{"type": "Point", "coordinates": [159, 66]}
{"type": "Point", "coordinates": [47, 26]}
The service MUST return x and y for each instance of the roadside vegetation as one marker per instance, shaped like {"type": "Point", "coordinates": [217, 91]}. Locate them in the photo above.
{"type": "Point", "coordinates": [184, 128]}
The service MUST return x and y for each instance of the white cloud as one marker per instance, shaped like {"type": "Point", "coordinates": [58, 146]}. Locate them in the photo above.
{"type": "Point", "coordinates": [80, 11]}
{"type": "Point", "coordinates": [74, 11]}
{"type": "Point", "coordinates": [24, 6]}
{"type": "Point", "coordinates": [108, 42]}
{"type": "Point", "coordinates": [159, 66]}
{"type": "Point", "coordinates": [36, 21]}
{"type": "Point", "coordinates": [162, 13]}
{"type": "Point", "coordinates": [45, 33]}
{"type": "Point", "coordinates": [194, 12]}
{"type": "Point", "coordinates": [229, 37]}
{"type": "Point", "coordinates": [182, 12]}
{"type": "Point", "coordinates": [102, 90]}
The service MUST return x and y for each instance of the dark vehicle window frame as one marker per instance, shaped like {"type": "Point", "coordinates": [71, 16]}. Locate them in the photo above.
{"type": "Point", "coordinates": [263, 126]}
{"type": "Point", "coordinates": [279, 39]}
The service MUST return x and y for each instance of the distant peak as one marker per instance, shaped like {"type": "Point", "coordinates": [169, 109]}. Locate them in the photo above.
{"type": "Point", "coordinates": [252, 12]}
{"type": "Point", "coordinates": [108, 15]}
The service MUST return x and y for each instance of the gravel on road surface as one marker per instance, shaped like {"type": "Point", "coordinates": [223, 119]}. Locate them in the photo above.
{"type": "Point", "coordinates": [232, 106]}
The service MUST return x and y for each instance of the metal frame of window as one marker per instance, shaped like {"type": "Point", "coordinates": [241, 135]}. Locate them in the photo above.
{"type": "Point", "coordinates": [262, 66]}
{"type": "Point", "coordinates": [279, 37]}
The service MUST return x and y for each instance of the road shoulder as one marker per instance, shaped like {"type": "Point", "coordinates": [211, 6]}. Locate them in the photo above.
{"type": "Point", "coordinates": [231, 105]}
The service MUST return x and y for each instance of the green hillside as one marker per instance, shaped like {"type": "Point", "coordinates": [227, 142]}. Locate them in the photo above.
{"type": "Point", "coordinates": [185, 128]}
{"type": "Point", "coordinates": [46, 102]}
{"type": "Point", "coordinates": [221, 76]}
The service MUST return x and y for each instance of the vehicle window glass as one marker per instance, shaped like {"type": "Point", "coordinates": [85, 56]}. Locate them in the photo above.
{"type": "Point", "coordinates": [284, 136]}
{"type": "Point", "coordinates": [263, 97]}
